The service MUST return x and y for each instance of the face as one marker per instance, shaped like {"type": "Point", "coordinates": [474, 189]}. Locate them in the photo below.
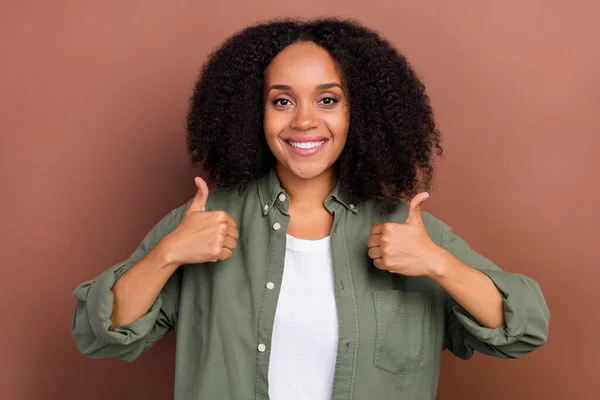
{"type": "Point", "coordinates": [306, 110]}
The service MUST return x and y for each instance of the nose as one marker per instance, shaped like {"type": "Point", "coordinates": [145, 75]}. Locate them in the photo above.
{"type": "Point", "coordinates": [305, 118]}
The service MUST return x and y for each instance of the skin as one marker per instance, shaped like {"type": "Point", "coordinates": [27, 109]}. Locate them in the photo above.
{"type": "Point", "coordinates": [305, 97]}
{"type": "Point", "coordinates": [297, 104]}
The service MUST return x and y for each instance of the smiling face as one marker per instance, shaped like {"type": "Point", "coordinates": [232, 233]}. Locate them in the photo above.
{"type": "Point", "coordinates": [306, 110]}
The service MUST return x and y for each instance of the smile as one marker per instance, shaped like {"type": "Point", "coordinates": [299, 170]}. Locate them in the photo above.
{"type": "Point", "coordinates": [306, 145]}
{"type": "Point", "coordinates": [306, 148]}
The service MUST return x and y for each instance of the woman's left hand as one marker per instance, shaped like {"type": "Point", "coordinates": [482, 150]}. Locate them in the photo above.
{"type": "Point", "coordinates": [406, 248]}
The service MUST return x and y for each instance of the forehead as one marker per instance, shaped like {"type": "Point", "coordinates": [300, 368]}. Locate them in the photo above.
{"type": "Point", "coordinates": [303, 62]}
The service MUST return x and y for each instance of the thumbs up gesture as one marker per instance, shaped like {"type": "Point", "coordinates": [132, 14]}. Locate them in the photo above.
{"type": "Point", "coordinates": [405, 248]}
{"type": "Point", "coordinates": [202, 236]}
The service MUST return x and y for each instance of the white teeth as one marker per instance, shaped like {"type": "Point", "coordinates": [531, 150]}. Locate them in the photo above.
{"type": "Point", "coordinates": [306, 145]}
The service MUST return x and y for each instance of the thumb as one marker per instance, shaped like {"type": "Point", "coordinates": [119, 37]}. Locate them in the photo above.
{"type": "Point", "coordinates": [199, 201]}
{"type": "Point", "coordinates": [414, 209]}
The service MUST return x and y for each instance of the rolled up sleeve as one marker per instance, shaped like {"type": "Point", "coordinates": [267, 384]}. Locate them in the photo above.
{"type": "Point", "coordinates": [526, 313]}
{"type": "Point", "coordinates": [91, 320]}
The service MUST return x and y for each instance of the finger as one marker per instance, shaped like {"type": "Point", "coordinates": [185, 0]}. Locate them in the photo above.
{"type": "Point", "coordinates": [223, 216]}
{"type": "Point", "coordinates": [414, 210]}
{"type": "Point", "coordinates": [229, 242]}
{"type": "Point", "coordinates": [375, 252]}
{"type": "Point", "coordinates": [378, 262]}
{"type": "Point", "coordinates": [233, 232]}
{"type": "Point", "coordinates": [374, 240]}
{"type": "Point", "coordinates": [231, 221]}
{"type": "Point", "coordinates": [199, 200]}
{"type": "Point", "coordinates": [225, 254]}
{"type": "Point", "coordinates": [377, 229]}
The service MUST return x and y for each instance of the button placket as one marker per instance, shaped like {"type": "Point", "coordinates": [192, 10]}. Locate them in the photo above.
{"type": "Point", "coordinates": [276, 226]}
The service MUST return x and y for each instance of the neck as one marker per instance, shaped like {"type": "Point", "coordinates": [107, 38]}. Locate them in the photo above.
{"type": "Point", "coordinates": [306, 193]}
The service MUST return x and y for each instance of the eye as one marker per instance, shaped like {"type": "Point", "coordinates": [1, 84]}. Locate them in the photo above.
{"type": "Point", "coordinates": [281, 102]}
{"type": "Point", "coordinates": [329, 101]}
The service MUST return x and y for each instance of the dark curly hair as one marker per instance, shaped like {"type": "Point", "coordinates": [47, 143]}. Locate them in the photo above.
{"type": "Point", "coordinates": [392, 138]}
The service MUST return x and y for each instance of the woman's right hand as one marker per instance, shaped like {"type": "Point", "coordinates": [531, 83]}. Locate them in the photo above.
{"type": "Point", "coordinates": [202, 236]}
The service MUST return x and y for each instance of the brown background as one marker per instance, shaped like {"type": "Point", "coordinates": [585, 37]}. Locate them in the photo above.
{"type": "Point", "coordinates": [92, 105]}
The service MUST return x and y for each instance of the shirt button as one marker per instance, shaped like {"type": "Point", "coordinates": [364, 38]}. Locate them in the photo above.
{"type": "Point", "coordinates": [270, 285]}
{"type": "Point", "coordinates": [282, 197]}
{"type": "Point", "coordinates": [351, 206]}
{"type": "Point", "coordinates": [276, 226]}
{"type": "Point", "coordinates": [262, 347]}
{"type": "Point", "coordinates": [266, 207]}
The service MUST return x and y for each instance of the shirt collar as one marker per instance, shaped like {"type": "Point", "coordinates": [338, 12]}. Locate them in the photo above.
{"type": "Point", "coordinates": [271, 193]}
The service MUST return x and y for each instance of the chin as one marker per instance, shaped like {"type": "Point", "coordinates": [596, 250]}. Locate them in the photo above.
{"type": "Point", "coordinates": [307, 171]}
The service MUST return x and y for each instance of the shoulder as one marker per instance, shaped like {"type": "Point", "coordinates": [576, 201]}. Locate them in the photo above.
{"type": "Point", "coordinates": [227, 199]}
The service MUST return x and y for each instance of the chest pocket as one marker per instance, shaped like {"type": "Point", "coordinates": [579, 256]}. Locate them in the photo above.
{"type": "Point", "coordinates": [402, 320]}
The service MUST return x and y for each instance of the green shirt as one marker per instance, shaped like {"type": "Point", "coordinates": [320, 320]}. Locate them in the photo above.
{"type": "Point", "coordinates": [392, 328]}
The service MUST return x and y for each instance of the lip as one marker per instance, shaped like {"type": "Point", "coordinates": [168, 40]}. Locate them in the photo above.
{"type": "Point", "coordinates": [302, 139]}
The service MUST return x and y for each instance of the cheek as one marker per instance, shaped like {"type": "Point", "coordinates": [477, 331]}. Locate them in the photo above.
{"type": "Point", "coordinates": [338, 126]}
{"type": "Point", "coordinates": [273, 124]}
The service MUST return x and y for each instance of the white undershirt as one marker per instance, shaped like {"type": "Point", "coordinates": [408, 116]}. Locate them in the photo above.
{"type": "Point", "coordinates": [305, 333]}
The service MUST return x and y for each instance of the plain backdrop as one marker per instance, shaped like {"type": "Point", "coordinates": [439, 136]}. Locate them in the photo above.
{"type": "Point", "coordinates": [93, 98]}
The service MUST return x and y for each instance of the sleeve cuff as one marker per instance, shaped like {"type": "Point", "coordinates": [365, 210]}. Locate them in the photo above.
{"type": "Point", "coordinates": [515, 315]}
{"type": "Point", "coordinates": [99, 303]}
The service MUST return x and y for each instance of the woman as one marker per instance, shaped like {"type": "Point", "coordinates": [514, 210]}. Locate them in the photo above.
{"type": "Point", "coordinates": [311, 273]}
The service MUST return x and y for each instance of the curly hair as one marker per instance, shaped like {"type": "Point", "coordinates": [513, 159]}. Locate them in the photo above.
{"type": "Point", "coordinates": [392, 138]}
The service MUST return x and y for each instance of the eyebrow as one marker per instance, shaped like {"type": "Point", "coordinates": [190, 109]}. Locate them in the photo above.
{"type": "Point", "coordinates": [319, 87]}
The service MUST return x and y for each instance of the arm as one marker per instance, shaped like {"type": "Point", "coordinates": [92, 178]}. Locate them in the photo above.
{"type": "Point", "coordinates": [133, 304]}
{"type": "Point", "coordinates": [138, 323]}
{"type": "Point", "coordinates": [470, 288]}
{"type": "Point", "coordinates": [474, 310]}
{"type": "Point", "coordinates": [487, 309]}
{"type": "Point", "coordinates": [137, 289]}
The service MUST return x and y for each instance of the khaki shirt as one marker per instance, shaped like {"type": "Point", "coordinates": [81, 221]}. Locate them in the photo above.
{"type": "Point", "coordinates": [392, 328]}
